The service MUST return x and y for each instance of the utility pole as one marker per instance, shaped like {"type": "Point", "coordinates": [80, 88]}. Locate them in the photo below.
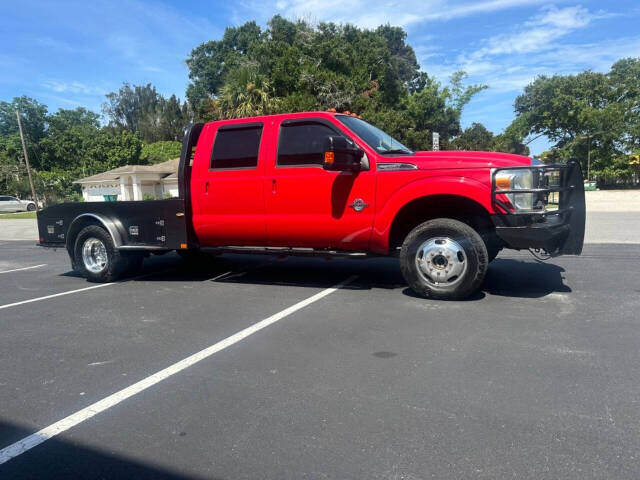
{"type": "Point", "coordinates": [589, 158]}
{"type": "Point", "coordinates": [26, 161]}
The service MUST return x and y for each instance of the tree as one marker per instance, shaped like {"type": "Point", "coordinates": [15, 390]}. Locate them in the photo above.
{"type": "Point", "coordinates": [34, 117]}
{"type": "Point", "coordinates": [65, 119]}
{"type": "Point", "coordinates": [461, 94]}
{"type": "Point", "coordinates": [143, 110]}
{"type": "Point", "coordinates": [292, 66]}
{"type": "Point", "coordinates": [581, 113]}
{"type": "Point", "coordinates": [476, 137]}
{"type": "Point", "coordinates": [160, 151]}
{"type": "Point", "coordinates": [246, 93]}
{"type": "Point", "coordinates": [511, 140]}
{"type": "Point", "coordinates": [211, 61]}
{"type": "Point", "coordinates": [624, 77]}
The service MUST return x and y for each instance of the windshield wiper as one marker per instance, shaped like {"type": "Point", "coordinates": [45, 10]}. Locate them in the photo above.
{"type": "Point", "coordinates": [397, 150]}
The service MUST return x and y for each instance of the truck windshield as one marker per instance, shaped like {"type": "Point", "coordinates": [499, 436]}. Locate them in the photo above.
{"type": "Point", "coordinates": [380, 141]}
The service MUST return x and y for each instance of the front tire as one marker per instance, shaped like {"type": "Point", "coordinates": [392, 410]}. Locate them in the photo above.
{"type": "Point", "coordinates": [444, 259]}
{"type": "Point", "coordinates": [97, 258]}
{"type": "Point", "coordinates": [31, 207]}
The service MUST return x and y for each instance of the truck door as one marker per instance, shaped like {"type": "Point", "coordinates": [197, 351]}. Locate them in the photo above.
{"type": "Point", "coordinates": [226, 186]}
{"type": "Point", "coordinates": [308, 206]}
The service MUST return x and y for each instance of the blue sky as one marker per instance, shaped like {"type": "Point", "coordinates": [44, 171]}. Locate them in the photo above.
{"type": "Point", "coordinates": [69, 54]}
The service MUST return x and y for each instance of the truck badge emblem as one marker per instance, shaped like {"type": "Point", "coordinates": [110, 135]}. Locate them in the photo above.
{"type": "Point", "coordinates": [358, 205]}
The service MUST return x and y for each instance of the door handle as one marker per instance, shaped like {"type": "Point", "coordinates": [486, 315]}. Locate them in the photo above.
{"type": "Point", "coordinates": [273, 186]}
{"type": "Point", "coordinates": [206, 187]}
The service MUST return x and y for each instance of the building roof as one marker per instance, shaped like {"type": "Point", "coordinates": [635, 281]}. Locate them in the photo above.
{"type": "Point", "coordinates": [164, 169]}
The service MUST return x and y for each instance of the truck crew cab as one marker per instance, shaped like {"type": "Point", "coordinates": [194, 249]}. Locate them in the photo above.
{"type": "Point", "coordinates": [325, 183]}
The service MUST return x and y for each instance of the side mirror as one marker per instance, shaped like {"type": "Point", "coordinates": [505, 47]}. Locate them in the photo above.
{"type": "Point", "coordinates": [341, 154]}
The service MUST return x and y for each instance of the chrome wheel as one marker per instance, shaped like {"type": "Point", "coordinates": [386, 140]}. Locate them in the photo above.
{"type": "Point", "coordinates": [441, 262]}
{"type": "Point", "coordinates": [94, 255]}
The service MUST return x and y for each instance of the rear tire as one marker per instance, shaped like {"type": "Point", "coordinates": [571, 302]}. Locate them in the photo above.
{"type": "Point", "coordinates": [444, 259]}
{"type": "Point", "coordinates": [97, 258]}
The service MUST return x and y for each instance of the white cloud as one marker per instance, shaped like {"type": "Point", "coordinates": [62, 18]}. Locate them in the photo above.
{"type": "Point", "coordinates": [539, 33]}
{"type": "Point", "coordinates": [73, 87]}
{"type": "Point", "coordinates": [371, 13]}
{"type": "Point", "coordinates": [466, 9]}
{"type": "Point", "coordinates": [508, 62]}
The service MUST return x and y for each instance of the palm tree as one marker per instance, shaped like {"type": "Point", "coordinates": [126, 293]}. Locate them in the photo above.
{"type": "Point", "coordinates": [246, 93]}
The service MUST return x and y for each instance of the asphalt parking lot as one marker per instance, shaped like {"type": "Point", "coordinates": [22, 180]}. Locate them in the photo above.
{"type": "Point", "coordinates": [537, 376]}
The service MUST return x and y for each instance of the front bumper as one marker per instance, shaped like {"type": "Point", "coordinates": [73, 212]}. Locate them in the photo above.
{"type": "Point", "coordinates": [559, 232]}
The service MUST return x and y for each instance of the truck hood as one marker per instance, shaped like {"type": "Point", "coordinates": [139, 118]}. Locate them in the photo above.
{"type": "Point", "coordinates": [459, 159]}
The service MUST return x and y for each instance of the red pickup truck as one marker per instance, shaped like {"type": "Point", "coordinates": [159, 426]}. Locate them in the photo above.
{"type": "Point", "coordinates": [323, 183]}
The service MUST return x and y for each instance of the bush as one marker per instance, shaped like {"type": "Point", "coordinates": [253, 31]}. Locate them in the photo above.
{"type": "Point", "coordinates": [158, 152]}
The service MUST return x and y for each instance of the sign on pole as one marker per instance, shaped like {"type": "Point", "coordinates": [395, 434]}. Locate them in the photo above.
{"type": "Point", "coordinates": [436, 141]}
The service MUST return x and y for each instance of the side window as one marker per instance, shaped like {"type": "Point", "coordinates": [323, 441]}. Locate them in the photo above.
{"type": "Point", "coordinates": [302, 144]}
{"type": "Point", "coordinates": [4, 199]}
{"type": "Point", "coordinates": [236, 147]}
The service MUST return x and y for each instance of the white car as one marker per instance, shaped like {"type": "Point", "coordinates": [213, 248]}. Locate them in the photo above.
{"type": "Point", "coordinates": [13, 204]}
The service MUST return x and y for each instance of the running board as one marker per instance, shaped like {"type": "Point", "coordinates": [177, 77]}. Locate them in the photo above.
{"type": "Point", "coordinates": [285, 251]}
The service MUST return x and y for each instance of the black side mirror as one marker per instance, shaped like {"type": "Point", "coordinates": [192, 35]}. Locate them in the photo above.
{"type": "Point", "coordinates": [341, 154]}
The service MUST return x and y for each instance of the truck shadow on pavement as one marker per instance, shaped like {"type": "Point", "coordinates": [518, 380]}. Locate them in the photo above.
{"type": "Point", "coordinates": [509, 277]}
{"type": "Point", "coordinates": [506, 277]}
{"type": "Point", "coordinates": [58, 458]}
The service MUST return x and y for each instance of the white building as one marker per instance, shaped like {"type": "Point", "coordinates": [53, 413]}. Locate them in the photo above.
{"type": "Point", "coordinates": [132, 182]}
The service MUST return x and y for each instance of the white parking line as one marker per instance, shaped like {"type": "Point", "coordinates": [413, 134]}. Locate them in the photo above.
{"type": "Point", "coordinates": [46, 297]}
{"type": "Point", "coordinates": [69, 292]}
{"type": "Point", "coordinates": [24, 268]}
{"type": "Point", "coordinates": [86, 413]}
{"type": "Point", "coordinates": [221, 276]}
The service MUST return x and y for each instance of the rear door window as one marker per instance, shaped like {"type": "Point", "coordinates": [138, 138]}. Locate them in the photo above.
{"type": "Point", "coordinates": [236, 146]}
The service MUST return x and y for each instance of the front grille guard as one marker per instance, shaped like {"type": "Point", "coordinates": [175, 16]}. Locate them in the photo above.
{"type": "Point", "coordinates": [567, 182]}
{"type": "Point", "coordinates": [571, 203]}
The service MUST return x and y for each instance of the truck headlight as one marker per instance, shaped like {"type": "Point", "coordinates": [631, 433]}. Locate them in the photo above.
{"type": "Point", "coordinates": [519, 179]}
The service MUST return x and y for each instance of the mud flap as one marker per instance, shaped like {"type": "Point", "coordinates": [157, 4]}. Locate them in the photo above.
{"type": "Point", "coordinates": [573, 199]}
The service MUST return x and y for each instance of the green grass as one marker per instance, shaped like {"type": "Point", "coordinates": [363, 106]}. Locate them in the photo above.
{"type": "Point", "coordinates": [14, 216]}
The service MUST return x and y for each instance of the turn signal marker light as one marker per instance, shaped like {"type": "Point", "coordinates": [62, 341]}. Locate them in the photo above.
{"type": "Point", "coordinates": [329, 157]}
{"type": "Point", "coordinates": [503, 183]}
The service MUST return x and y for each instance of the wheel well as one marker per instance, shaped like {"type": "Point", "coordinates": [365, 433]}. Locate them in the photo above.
{"type": "Point", "coordinates": [440, 206]}
{"type": "Point", "coordinates": [76, 228]}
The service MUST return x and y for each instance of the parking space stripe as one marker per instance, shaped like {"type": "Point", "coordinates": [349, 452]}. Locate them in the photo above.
{"type": "Point", "coordinates": [86, 413]}
{"type": "Point", "coordinates": [24, 268]}
{"type": "Point", "coordinates": [46, 297]}
{"type": "Point", "coordinates": [222, 275]}
{"type": "Point", "coordinates": [69, 292]}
